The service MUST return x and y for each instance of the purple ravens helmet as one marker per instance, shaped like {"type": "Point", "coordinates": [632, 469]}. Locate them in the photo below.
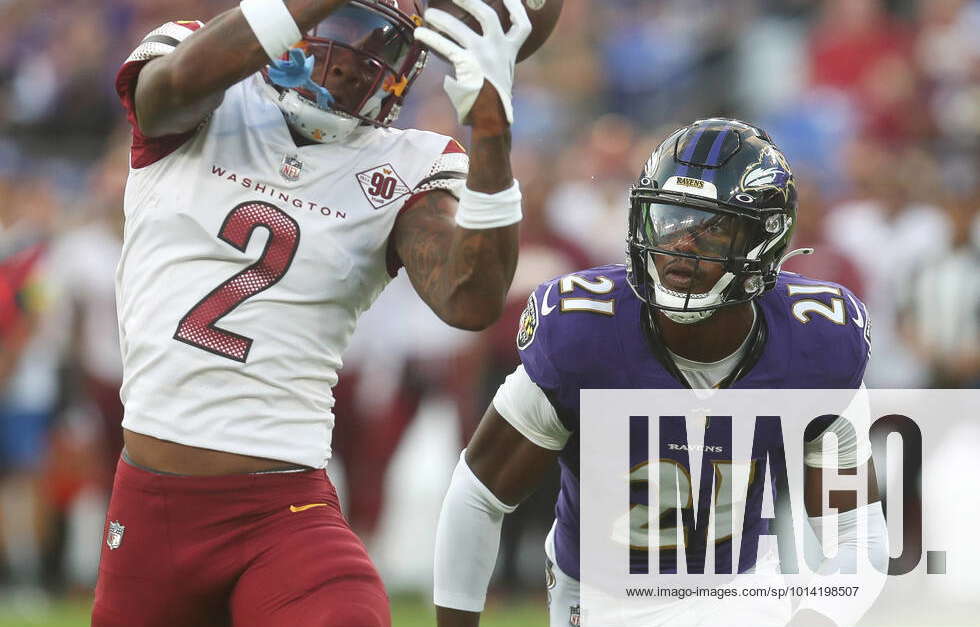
{"type": "Point", "coordinates": [710, 219]}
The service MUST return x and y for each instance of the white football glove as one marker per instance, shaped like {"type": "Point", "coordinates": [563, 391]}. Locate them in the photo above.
{"type": "Point", "coordinates": [490, 57]}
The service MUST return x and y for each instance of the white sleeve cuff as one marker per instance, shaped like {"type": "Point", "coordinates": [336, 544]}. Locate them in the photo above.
{"type": "Point", "coordinates": [852, 431]}
{"type": "Point", "coordinates": [525, 406]}
{"type": "Point", "coordinates": [467, 539]}
{"type": "Point", "coordinates": [864, 546]}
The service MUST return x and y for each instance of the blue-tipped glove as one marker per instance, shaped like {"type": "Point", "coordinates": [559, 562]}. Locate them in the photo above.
{"type": "Point", "coordinates": [297, 71]}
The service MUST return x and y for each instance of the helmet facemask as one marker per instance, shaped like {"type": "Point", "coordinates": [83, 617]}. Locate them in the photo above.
{"type": "Point", "coordinates": [366, 59]}
{"type": "Point", "coordinates": [691, 256]}
{"type": "Point", "coordinates": [709, 220]}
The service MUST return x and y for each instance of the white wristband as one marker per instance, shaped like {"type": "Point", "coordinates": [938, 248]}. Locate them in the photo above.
{"type": "Point", "coordinates": [272, 24]}
{"type": "Point", "coordinates": [489, 211]}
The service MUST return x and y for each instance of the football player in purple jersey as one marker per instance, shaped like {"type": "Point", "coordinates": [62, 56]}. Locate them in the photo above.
{"type": "Point", "coordinates": [700, 303]}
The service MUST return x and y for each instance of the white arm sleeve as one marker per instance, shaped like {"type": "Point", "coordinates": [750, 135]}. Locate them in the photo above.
{"type": "Point", "coordinates": [524, 405]}
{"type": "Point", "coordinates": [852, 431]}
{"type": "Point", "coordinates": [868, 551]}
{"type": "Point", "coordinates": [467, 539]}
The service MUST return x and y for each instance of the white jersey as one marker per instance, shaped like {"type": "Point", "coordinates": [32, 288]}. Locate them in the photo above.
{"type": "Point", "coordinates": [246, 263]}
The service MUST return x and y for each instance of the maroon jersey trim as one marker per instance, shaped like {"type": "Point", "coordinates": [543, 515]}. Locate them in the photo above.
{"type": "Point", "coordinates": [146, 150]}
{"type": "Point", "coordinates": [393, 262]}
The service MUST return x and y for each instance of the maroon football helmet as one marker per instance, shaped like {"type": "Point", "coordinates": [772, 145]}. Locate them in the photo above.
{"type": "Point", "coordinates": [367, 57]}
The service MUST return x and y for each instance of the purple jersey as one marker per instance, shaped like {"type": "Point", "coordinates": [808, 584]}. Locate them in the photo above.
{"type": "Point", "coordinates": [587, 331]}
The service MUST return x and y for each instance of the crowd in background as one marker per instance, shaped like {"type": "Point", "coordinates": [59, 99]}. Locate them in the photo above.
{"type": "Point", "coordinates": [876, 104]}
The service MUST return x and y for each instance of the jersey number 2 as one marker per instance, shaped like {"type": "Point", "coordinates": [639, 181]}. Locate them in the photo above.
{"type": "Point", "coordinates": [198, 326]}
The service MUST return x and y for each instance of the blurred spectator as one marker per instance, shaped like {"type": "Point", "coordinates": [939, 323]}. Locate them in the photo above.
{"type": "Point", "coordinates": [661, 59]}
{"type": "Point", "coordinates": [87, 439]}
{"type": "Point", "coordinates": [28, 374]}
{"type": "Point", "coordinates": [890, 230]}
{"type": "Point", "coordinates": [84, 259]}
{"type": "Point", "coordinates": [588, 203]}
{"type": "Point", "coordinates": [948, 52]}
{"type": "Point", "coordinates": [828, 262]}
{"type": "Point", "coordinates": [859, 49]}
{"type": "Point", "coordinates": [400, 355]}
{"type": "Point", "coordinates": [942, 316]}
{"type": "Point", "coordinates": [850, 38]}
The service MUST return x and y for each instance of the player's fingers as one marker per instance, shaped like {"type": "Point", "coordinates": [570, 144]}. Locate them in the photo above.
{"type": "Point", "coordinates": [520, 22]}
{"type": "Point", "coordinates": [487, 17]}
{"type": "Point", "coordinates": [451, 26]}
{"type": "Point", "coordinates": [438, 42]}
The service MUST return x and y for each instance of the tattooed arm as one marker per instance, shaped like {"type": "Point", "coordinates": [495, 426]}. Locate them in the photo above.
{"type": "Point", "coordinates": [177, 91]}
{"type": "Point", "coordinates": [464, 274]}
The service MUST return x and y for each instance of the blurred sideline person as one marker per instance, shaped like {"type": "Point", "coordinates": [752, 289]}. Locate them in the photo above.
{"type": "Point", "coordinates": [269, 202]}
{"type": "Point", "coordinates": [889, 229]}
{"type": "Point", "coordinates": [832, 264]}
{"type": "Point", "coordinates": [941, 318]}
{"type": "Point", "coordinates": [85, 258]}
{"type": "Point", "coordinates": [389, 372]}
{"type": "Point", "coordinates": [28, 377]}
{"type": "Point", "coordinates": [701, 304]}
{"type": "Point", "coordinates": [86, 440]}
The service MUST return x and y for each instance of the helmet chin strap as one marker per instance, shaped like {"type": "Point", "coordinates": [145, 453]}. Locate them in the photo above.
{"type": "Point", "coordinates": [310, 121]}
{"type": "Point", "coordinates": [689, 317]}
{"type": "Point", "coordinates": [685, 317]}
{"type": "Point", "coordinates": [669, 298]}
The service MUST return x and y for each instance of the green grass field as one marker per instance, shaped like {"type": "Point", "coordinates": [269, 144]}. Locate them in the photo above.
{"type": "Point", "coordinates": [406, 612]}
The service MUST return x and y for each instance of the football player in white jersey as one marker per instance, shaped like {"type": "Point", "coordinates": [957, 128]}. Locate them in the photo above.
{"type": "Point", "coordinates": [269, 202]}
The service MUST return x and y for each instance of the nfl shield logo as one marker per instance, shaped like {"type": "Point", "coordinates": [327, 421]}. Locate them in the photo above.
{"type": "Point", "coordinates": [115, 535]}
{"type": "Point", "coordinates": [575, 615]}
{"type": "Point", "coordinates": [291, 168]}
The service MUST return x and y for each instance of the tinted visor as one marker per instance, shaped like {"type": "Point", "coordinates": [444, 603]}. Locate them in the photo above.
{"type": "Point", "coordinates": [364, 30]}
{"type": "Point", "coordinates": [701, 232]}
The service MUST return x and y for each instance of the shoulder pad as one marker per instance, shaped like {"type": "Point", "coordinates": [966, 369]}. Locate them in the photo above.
{"type": "Point", "coordinates": [164, 40]}
{"type": "Point", "coordinates": [448, 170]}
{"type": "Point", "coordinates": [829, 317]}
{"type": "Point", "coordinates": [569, 318]}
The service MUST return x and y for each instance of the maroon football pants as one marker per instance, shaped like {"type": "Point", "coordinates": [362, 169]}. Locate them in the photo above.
{"type": "Point", "coordinates": [261, 550]}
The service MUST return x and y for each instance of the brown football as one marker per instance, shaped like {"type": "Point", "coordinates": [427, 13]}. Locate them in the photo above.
{"type": "Point", "coordinates": [543, 14]}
